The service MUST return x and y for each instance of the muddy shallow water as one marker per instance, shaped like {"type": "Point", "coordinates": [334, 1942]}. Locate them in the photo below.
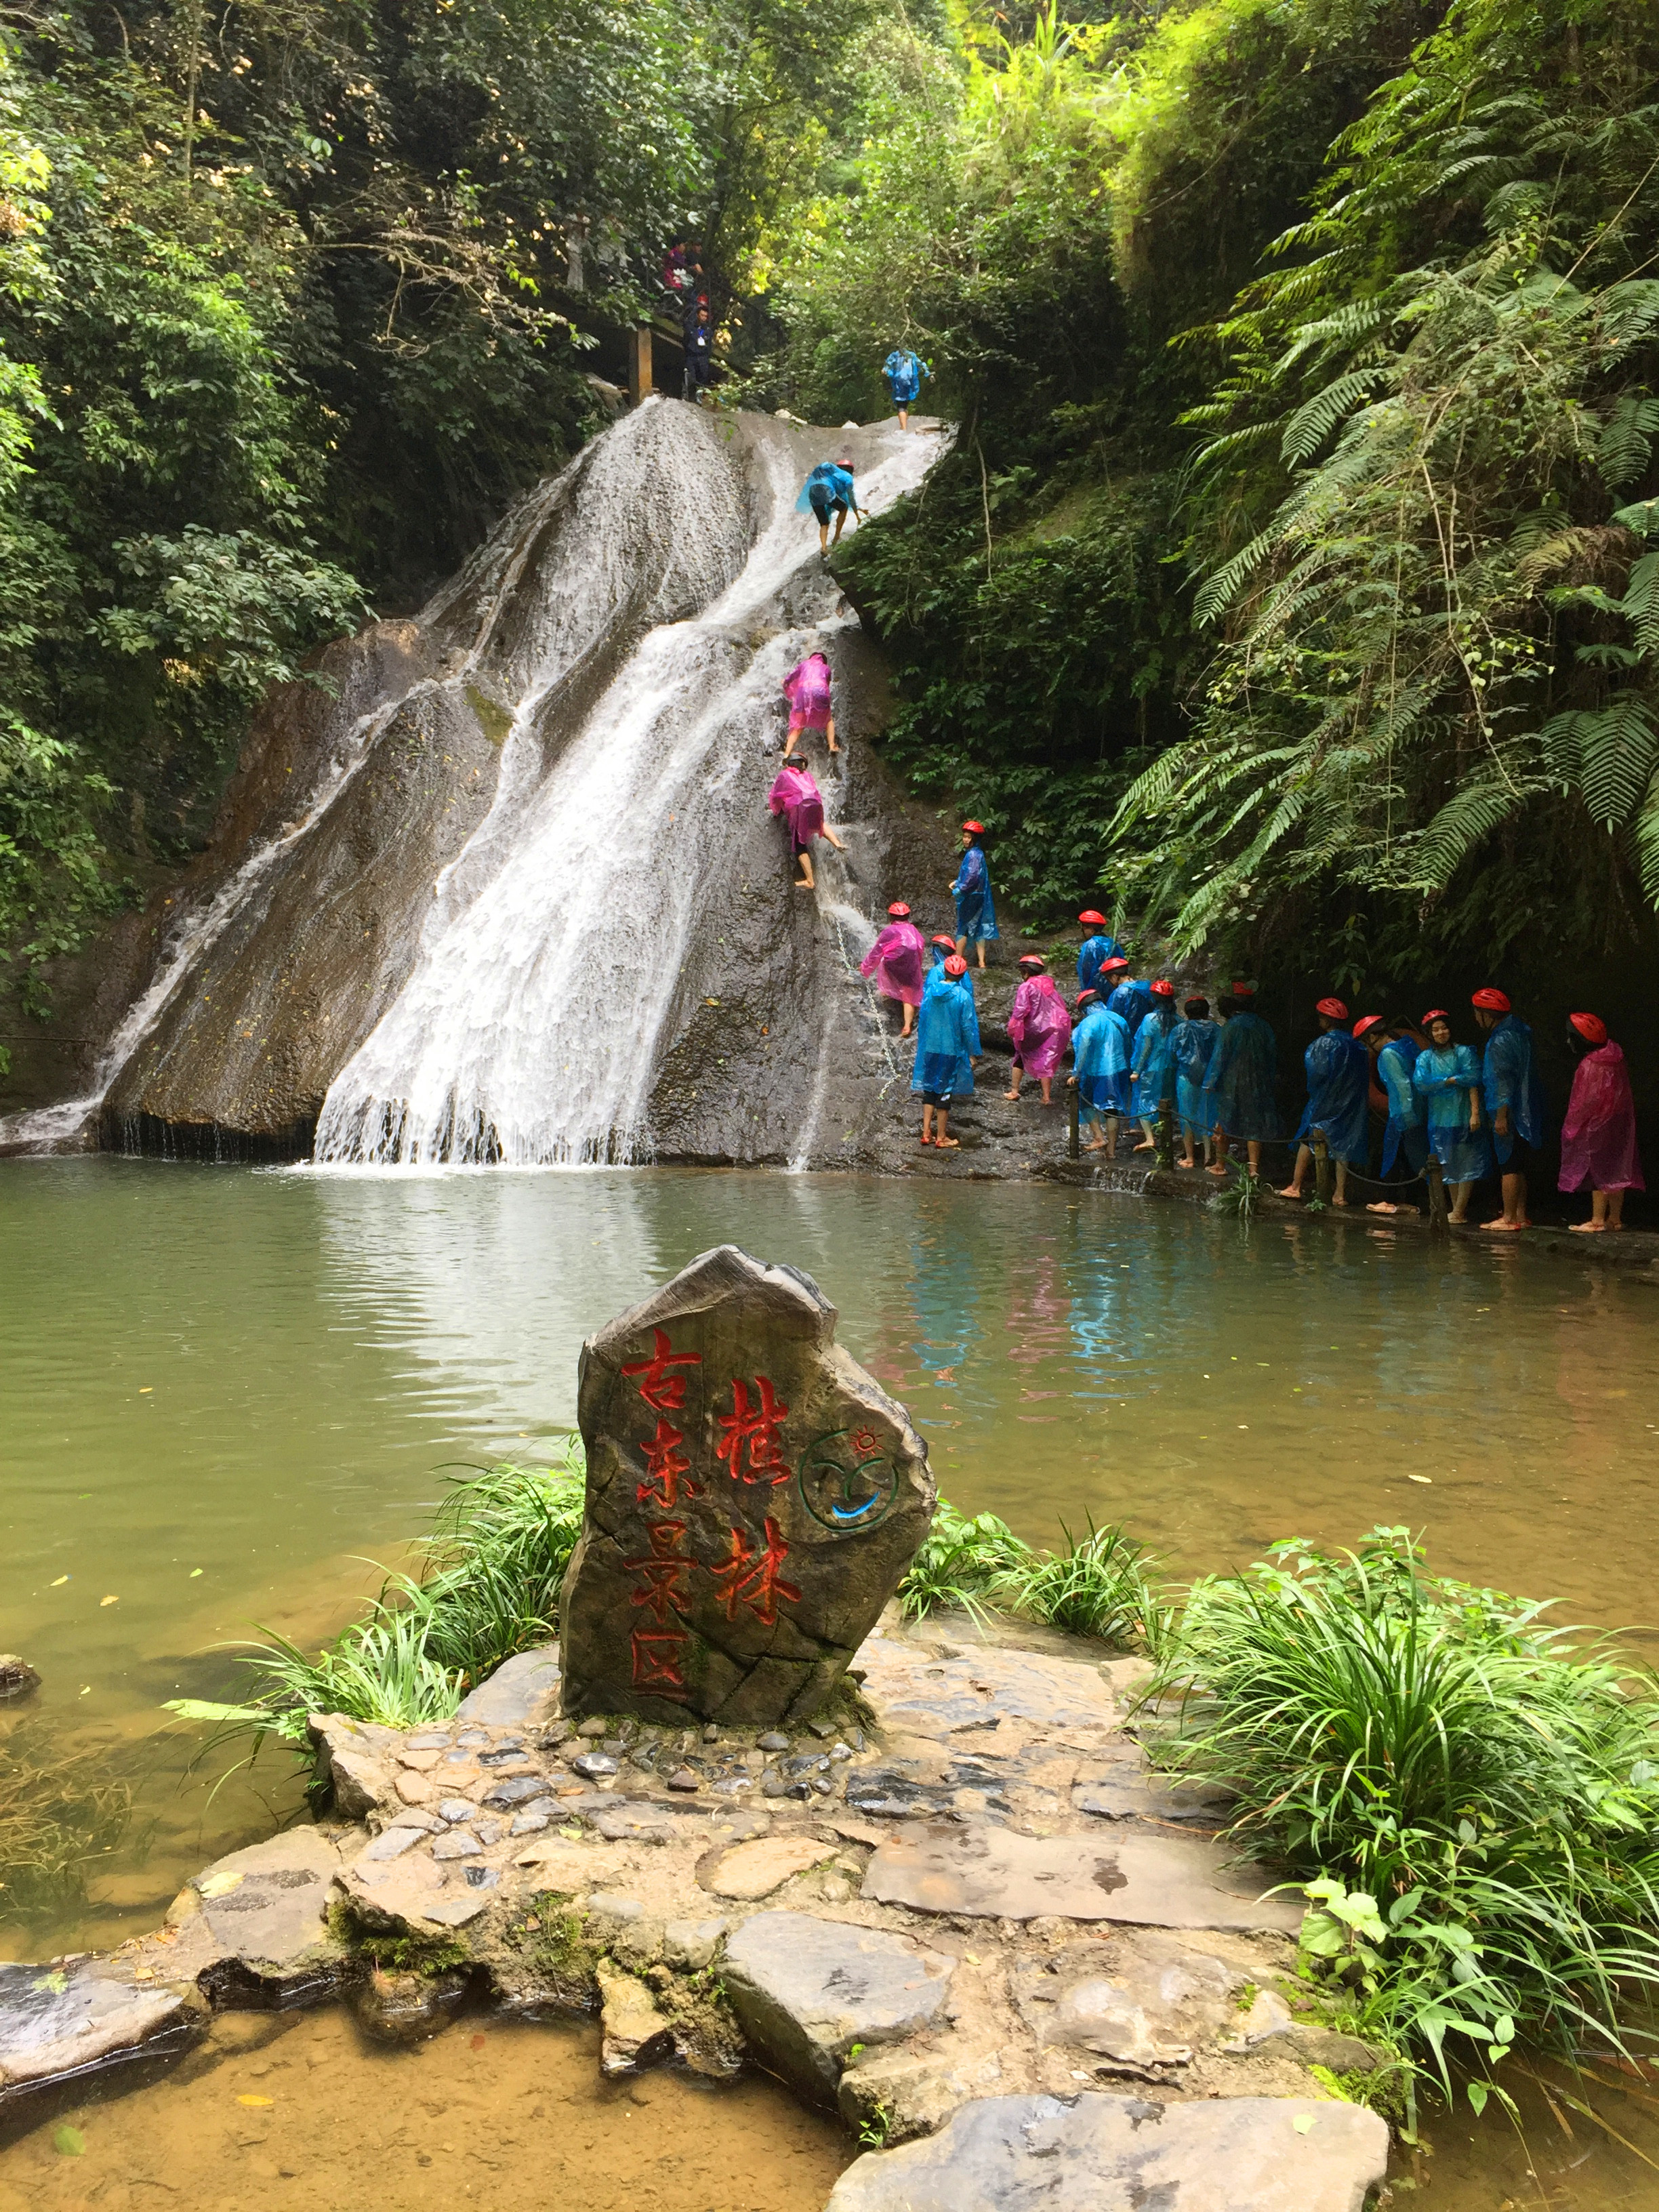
{"type": "Point", "coordinates": [224, 1392]}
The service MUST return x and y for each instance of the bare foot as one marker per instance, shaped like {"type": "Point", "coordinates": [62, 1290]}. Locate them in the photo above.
{"type": "Point", "coordinates": [1292, 1190]}
{"type": "Point", "coordinates": [1502, 1228]}
{"type": "Point", "coordinates": [1094, 1148]}
{"type": "Point", "coordinates": [1339, 1202]}
{"type": "Point", "coordinates": [1215, 1171]}
{"type": "Point", "coordinates": [1145, 1148]}
{"type": "Point", "coordinates": [1186, 1164]}
{"type": "Point", "coordinates": [1011, 1094]}
{"type": "Point", "coordinates": [947, 1144]}
{"type": "Point", "coordinates": [1588, 1228]}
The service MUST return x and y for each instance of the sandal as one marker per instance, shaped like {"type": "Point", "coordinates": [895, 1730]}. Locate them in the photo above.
{"type": "Point", "coordinates": [947, 1144]}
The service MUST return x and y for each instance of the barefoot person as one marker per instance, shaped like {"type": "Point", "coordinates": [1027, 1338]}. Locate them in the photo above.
{"type": "Point", "coordinates": [976, 910]}
{"type": "Point", "coordinates": [1151, 1070]}
{"type": "Point", "coordinates": [1447, 1078]}
{"type": "Point", "coordinates": [806, 687]}
{"type": "Point", "coordinates": [1339, 1082]}
{"type": "Point", "coordinates": [1514, 1102]}
{"type": "Point", "coordinates": [1191, 1040]}
{"type": "Point", "coordinates": [1598, 1137]}
{"type": "Point", "coordinates": [1405, 1132]}
{"type": "Point", "coordinates": [905, 371]}
{"type": "Point", "coordinates": [1096, 1096]}
{"type": "Point", "coordinates": [895, 961]}
{"type": "Point", "coordinates": [947, 1043]}
{"type": "Point", "coordinates": [829, 490]}
{"type": "Point", "coordinates": [1097, 948]}
{"type": "Point", "coordinates": [797, 798]}
{"type": "Point", "coordinates": [1240, 1081]}
{"type": "Point", "coordinates": [1040, 1027]}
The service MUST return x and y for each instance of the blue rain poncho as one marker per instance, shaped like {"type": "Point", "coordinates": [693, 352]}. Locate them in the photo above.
{"type": "Point", "coordinates": [831, 483]}
{"type": "Point", "coordinates": [1096, 951]}
{"type": "Point", "coordinates": [1240, 1081]}
{"type": "Point", "coordinates": [947, 1037]}
{"type": "Point", "coordinates": [1151, 1067]}
{"type": "Point", "coordinates": [1133, 1001]}
{"type": "Point", "coordinates": [1510, 1079]}
{"type": "Point", "coordinates": [1115, 1064]}
{"type": "Point", "coordinates": [1191, 1044]}
{"type": "Point", "coordinates": [1443, 1081]}
{"type": "Point", "coordinates": [904, 372]}
{"type": "Point", "coordinates": [1339, 1072]}
{"type": "Point", "coordinates": [1097, 1044]}
{"type": "Point", "coordinates": [1407, 1122]}
{"type": "Point", "coordinates": [976, 911]}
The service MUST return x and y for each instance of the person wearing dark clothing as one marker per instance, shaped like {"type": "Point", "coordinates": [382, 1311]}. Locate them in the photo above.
{"type": "Point", "coordinates": [1339, 1082]}
{"type": "Point", "coordinates": [1513, 1100]}
{"type": "Point", "coordinates": [699, 357]}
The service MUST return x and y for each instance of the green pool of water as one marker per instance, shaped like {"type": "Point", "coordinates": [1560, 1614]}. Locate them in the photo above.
{"type": "Point", "coordinates": [224, 1391]}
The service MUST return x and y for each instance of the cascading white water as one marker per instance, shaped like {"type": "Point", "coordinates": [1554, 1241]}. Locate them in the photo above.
{"type": "Point", "coordinates": [529, 1030]}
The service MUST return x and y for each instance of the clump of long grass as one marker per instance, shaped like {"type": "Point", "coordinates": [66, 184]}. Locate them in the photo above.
{"type": "Point", "coordinates": [1471, 1805]}
{"type": "Point", "coordinates": [1100, 1585]}
{"type": "Point", "coordinates": [486, 1586]}
{"type": "Point", "coordinates": [57, 1814]}
{"type": "Point", "coordinates": [962, 1564]}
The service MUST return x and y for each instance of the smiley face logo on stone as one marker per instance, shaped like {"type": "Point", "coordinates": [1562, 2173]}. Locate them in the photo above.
{"type": "Point", "coordinates": [846, 1479]}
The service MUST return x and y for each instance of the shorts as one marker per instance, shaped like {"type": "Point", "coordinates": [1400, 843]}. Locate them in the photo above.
{"type": "Point", "coordinates": [824, 507]}
{"type": "Point", "coordinates": [940, 1098]}
{"type": "Point", "coordinates": [1520, 1159]}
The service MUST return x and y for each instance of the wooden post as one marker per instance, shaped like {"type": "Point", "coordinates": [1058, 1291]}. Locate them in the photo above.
{"type": "Point", "coordinates": [641, 373]}
{"type": "Point", "coordinates": [1164, 1155]}
{"type": "Point", "coordinates": [1324, 1180]}
{"type": "Point", "coordinates": [1073, 1149]}
{"type": "Point", "coordinates": [1438, 1213]}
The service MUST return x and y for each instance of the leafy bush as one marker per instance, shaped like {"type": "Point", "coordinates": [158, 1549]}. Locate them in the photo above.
{"type": "Point", "coordinates": [961, 1563]}
{"type": "Point", "coordinates": [1100, 1585]}
{"type": "Point", "coordinates": [1471, 1808]}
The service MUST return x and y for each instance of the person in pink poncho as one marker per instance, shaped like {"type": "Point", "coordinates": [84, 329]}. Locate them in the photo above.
{"type": "Point", "coordinates": [1598, 1138]}
{"type": "Point", "coordinates": [1040, 1025]}
{"type": "Point", "coordinates": [806, 687]}
{"type": "Point", "coordinates": [895, 960]}
{"type": "Point", "coordinates": [797, 798]}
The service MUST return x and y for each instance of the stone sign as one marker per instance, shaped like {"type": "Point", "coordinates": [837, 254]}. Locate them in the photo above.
{"type": "Point", "coordinates": [753, 1498]}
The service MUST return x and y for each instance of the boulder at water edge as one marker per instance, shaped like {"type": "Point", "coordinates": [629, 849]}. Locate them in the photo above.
{"type": "Point", "coordinates": [753, 1498]}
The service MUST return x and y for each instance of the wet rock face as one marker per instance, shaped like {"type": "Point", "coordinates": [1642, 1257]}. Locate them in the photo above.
{"type": "Point", "coordinates": [753, 1498]}
{"type": "Point", "coordinates": [74, 2017]}
{"type": "Point", "coordinates": [17, 1678]}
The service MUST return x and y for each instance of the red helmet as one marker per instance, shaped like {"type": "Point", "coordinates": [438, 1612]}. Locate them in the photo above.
{"type": "Point", "coordinates": [1490, 1001]}
{"type": "Point", "coordinates": [975, 828]}
{"type": "Point", "coordinates": [1241, 991]}
{"type": "Point", "coordinates": [1333, 1009]}
{"type": "Point", "coordinates": [1088, 997]}
{"type": "Point", "coordinates": [1163, 990]}
{"type": "Point", "coordinates": [1115, 965]}
{"type": "Point", "coordinates": [1590, 1027]}
{"type": "Point", "coordinates": [1434, 1014]}
{"type": "Point", "coordinates": [949, 943]}
{"type": "Point", "coordinates": [1095, 921]}
{"type": "Point", "coordinates": [899, 911]}
{"type": "Point", "coordinates": [1366, 1024]}
{"type": "Point", "coordinates": [1032, 960]}
{"type": "Point", "coordinates": [956, 965]}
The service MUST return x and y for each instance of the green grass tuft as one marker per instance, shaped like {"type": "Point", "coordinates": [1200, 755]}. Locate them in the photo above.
{"type": "Point", "coordinates": [1100, 1585]}
{"type": "Point", "coordinates": [961, 1564]}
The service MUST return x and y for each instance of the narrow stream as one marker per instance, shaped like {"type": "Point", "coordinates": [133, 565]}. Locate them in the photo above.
{"type": "Point", "coordinates": [224, 1393]}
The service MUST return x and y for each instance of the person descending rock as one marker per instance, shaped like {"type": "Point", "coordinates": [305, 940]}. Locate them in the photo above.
{"type": "Point", "coordinates": [807, 689]}
{"type": "Point", "coordinates": [1097, 948]}
{"type": "Point", "coordinates": [976, 911]}
{"type": "Point", "coordinates": [1191, 1040]}
{"type": "Point", "coordinates": [1097, 1099]}
{"type": "Point", "coordinates": [1513, 1100]}
{"type": "Point", "coordinates": [1339, 1086]}
{"type": "Point", "coordinates": [829, 490]}
{"type": "Point", "coordinates": [796, 796]}
{"type": "Point", "coordinates": [1447, 1078]}
{"type": "Point", "coordinates": [1152, 1068]}
{"type": "Point", "coordinates": [1240, 1081]}
{"type": "Point", "coordinates": [1039, 1025]}
{"type": "Point", "coordinates": [699, 356]}
{"type": "Point", "coordinates": [1598, 1137]}
{"type": "Point", "coordinates": [895, 960]}
{"type": "Point", "coordinates": [947, 1044]}
{"type": "Point", "coordinates": [905, 371]}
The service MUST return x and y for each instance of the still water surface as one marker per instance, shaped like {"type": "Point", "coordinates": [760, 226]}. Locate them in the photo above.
{"type": "Point", "coordinates": [223, 1391]}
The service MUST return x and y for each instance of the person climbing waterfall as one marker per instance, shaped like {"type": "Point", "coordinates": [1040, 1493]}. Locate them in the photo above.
{"type": "Point", "coordinates": [1191, 1040]}
{"type": "Point", "coordinates": [807, 688]}
{"type": "Point", "coordinates": [798, 798]}
{"type": "Point", "coordinates": [1040, 1026]}
{"type": "Point", "coordinates": [1513, 1100]}
{"type": "Point", "coordinates": [1240, 1081]}
{"type": "Point", "coordinates": [976, 911]}
{"type": "Point", "coordinates": [1152, 1068]}
{"type": "Point", "coordinates": [1447, 1078]}
{"type": "Point", "coordinates": [1099, 946]}
{"type": "Point", "coordinates": [1097, 1099]}
{"type": "Point", "coordinates": [1339, 1081]}
{"type": "Point", "coordinates": [1406, 1133]}
{"type": "Point", "coordinates": [947, 1044]}
{"type": "Point", "coordinates": [829, 491]}
{"type": "Point", "coordinates": [905, 371]}
{"type": "Point", "coordinates": [895, 960]}
{"type": "Point", "coordinates": [1598, 1135]}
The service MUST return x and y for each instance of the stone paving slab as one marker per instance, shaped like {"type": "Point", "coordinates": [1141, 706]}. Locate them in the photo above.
{"type": "Point", "coordinates": [68, 2018]}
{"type": "Point", "coordinates": [1157, 1881]}
{"type": "Point", "coordinates": [1104, 2154]}
{"type": "Point", "coordinates": [943, 1689]}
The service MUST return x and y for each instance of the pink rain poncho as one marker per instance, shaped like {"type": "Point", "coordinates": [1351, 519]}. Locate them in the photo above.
{"type": "Point", "coordinates": [795, 794]}
{"type": "Point", "coordinates": [1039, 1025]}
{"type": "Point", "coordinates": [806, 687]}
{"type": "Point", "coordinates": [1598, 1138]}
{"type": "Point", "coordinates": [895, 960]}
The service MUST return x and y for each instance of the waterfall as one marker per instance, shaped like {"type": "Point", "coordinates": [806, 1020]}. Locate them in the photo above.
{"type": "Point", "coordinates": [528, 1031]}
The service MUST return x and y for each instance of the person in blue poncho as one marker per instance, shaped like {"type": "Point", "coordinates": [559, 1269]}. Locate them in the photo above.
{"type": "Point", "coordinates": [905, 371]}
{"type": "Point", "coordinates": [947, 1043]}
{"type": "Point", "coordinates": [1099, 946]}
{"type": "Point", "coordinates": [1339, 1086]}
{"type": "Point", "coordinates": [1447, 1078]}
{"type": "Point", "coordinates": [1240, 1081]}
{"type": "Point", "coordinates": [1151, 1067]}
{"type": "Point", "coordinates": [976, 909]}
{"type": "Point", "coordinates": [1191, 1040]}
{"type": "Point", "coordinates": [1097, 1097]}
{"type": "Point", "coordinates": [1405, 1133]}
{"type": "Point", "coordinates": [829, 490]}
{"type": "Point", "coordinates": [1513, 1100]}
{"type": "Point", "coordinates": [1130, 1000]}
